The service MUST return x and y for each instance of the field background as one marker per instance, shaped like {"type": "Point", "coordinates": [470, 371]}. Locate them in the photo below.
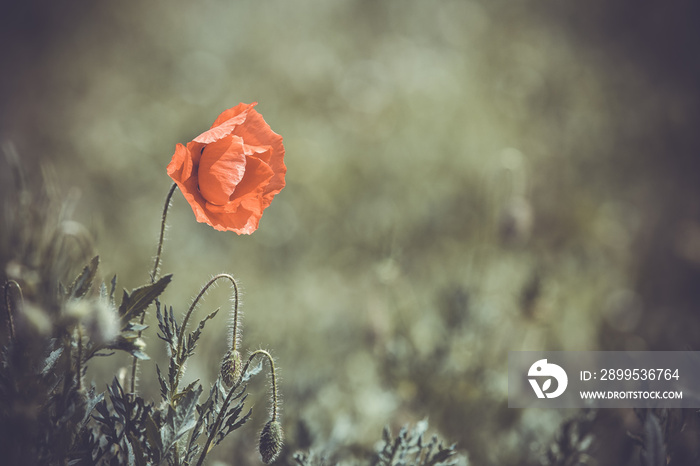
{"type": "Point", "coordinates": [465, 178]}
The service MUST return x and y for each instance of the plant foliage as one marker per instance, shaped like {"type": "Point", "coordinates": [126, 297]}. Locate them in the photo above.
{"type": "Point", "coordinates": [48, 417]}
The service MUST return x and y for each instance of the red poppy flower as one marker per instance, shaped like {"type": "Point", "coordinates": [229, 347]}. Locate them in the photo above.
{"type": "Point", "coordinates": [230, 173]}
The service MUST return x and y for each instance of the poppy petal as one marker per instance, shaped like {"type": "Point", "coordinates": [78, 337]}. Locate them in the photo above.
{"type": "Point", "coordinates": [221, 168]}
{"type": "Point", "coordinates": [223, 127]}
{"type": "Point", "coordinates": [180, 167]}
{"type": "Point", "coordinates": [252, 187]}
{"type": "Point", "coordinates": [232, 112]}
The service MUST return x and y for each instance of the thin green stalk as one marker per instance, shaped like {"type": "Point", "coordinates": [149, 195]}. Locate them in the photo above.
{"type": "Point", "coordinates": [273, 376]}
{"type": "Point", "coordinates": [154, 274]}
{"type": "Point", "coordinates": [168, 198]}
{"type": "Point", "coordinates": [179, 353]}
{"type": "Point", "coordinates": [80, 356]}
{"type": "Point", "coordinates": [229, 397]}
{"type": "Point", "coordinates": [8, 305]}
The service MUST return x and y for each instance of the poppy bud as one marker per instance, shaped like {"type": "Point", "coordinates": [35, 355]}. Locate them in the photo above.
{"type": "Point", "coordinates": [271, 441]}
{"type": "Point", "coordinates": [231, 368]}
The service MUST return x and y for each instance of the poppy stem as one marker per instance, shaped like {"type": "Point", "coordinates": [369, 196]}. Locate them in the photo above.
{"type": "Point", "coordinates": [156, 265]}
{"type": "Point", "coordinates": [224, 407]}
{"type": "Point", "coordinates": [79, 360]}
{"type": "Point", "coordinates": [273, 377]}
{"type": "Point", "coordinates": [154, 275]}
{"type": "Point", "coordinates": [8, 306]}
{"type": "Point", "coordinates": [180, 338]}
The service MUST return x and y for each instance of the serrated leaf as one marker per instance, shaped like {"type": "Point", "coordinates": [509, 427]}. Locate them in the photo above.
{"type": "Point", "coordinates": [135, 303]}
{"type": "Point", "coordinates": [421, 427]}
{"type": "Point", "coordinates": [192, 453]}
{"type": "Point", "coordinates": [128, 344]}
{"type": "Point", "coordinates": [166, 434]}
{"type": "Point", "coordinates": [83, 282]}
{"type": "Point", "coordinates": [252, 371]}
{"type": "Point", "coordinates": [204, 411]}
{"type": "Point", "coordinates": [131, 460]}
{"type": "Point", "coordinates": [92, 402]}
{"type": "Point", "coordinates": [164, 388]}
{"type": "Point", "coordinates": [167, 326]}
{"type": "Point", "coordinates": [196, 334]}
{"type": "Point", "coordinates": [153, 436]}
{"type": "Point", "coordinates": [180, 419]}
{"type": "Point", "coordinates": [162, 325]}
{"type": "Point", "coordinates": [50, 361]}
{"type": "Point", "coordinates": [116, 395]}
{"type": "Point", "coordinates": [232, 422]}
{"type": "Point", "coordinates": [113, 288]}
{"type": "Point", "coordinates": [139, 455]}
{"type": "Point", "coordinates": [185, 410]}
{"type": "Point", "coordinates": [178, 396]}
{"type": "Point", "coordinates": [242, 420]}
{"type": "Point", "coordinates": [441, 457]}
{"type": "Point", "coordinates": [134, 327]}
{"type": "Point", "coordinates": [386, 434]}
{"type": "Point", "coordinates": [138, 354]}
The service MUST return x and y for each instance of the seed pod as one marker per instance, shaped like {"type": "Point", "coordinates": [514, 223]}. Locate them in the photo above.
{"type": "Point", "coordinates": [231, 368]}
{"type": "Point", "coordinates": [271, 441]}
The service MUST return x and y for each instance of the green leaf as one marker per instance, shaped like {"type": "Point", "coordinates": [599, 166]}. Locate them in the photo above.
{"type": "Point", "coordinates": [50, 361]}
{"type": "Point", "coordinates": [135, 303]}
{"type": "Point", "coordinates": [185, 412]}
{"type": "Point", "coordinates": [113, 287]}
{"type": "Point", "coordinates": [173, 369]}
{"type": "Point", "coordinates": [252, 371]}
{"type": "Point", "coordinates": [139, 457]}
{"type": "Point", "coordinates": [129, 344]}
{"type": "Point", "coordinates": [200, 327]}
{"type": "Point", "coordinates": [178, 396]}
{"type": "Point", "coordinates": [193, 337]}
{"type": "Point", "coordinates": [138, 354]}
{"type": "Point", "coordinates": [153, 436]}
{"type": "Point", "coordinates": [180, 419]}
{"type": "Point", "coordinates": [83, 282]}
{"type": "Point", "coordinates": [205, 411]}
{"type": "Point", "coordinates": [168, 326]}
{"type": "Point", "coordinates": [233, 426]}
{"type": "Point", "coordinates": [164, 388]}
{"type": "Point", "coordinates": [134, 327]}
{"type": "Point", "coordinates": [232, 423]}
{"type": "Point", "coordinates": [92, 401]}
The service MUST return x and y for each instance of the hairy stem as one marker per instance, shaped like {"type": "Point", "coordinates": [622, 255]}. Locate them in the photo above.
{"type": "Point", "coordinates": [154, 275]}
{"type": "Point", "coordinates": [273, 376]}
{"type": "Point", "coordinates": [80, 356]}
{"type": "Point", "coordinates": [179, 353]}
{"type": "Point", "coordinates": [8, 306]}
{"type": "Point", "coordinates": [229, 397]}
{"type": "Point", "coordinates": [168, 198]}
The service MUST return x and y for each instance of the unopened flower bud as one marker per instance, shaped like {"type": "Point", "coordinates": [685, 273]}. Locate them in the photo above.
{"type": "Point", "coordinates": [271, 441]}
{"type": "Point", "coordinates": [231, 368]}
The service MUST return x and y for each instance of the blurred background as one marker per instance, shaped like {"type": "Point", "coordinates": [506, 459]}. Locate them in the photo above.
{"type": "Point", "coordinates": [465, 178]}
